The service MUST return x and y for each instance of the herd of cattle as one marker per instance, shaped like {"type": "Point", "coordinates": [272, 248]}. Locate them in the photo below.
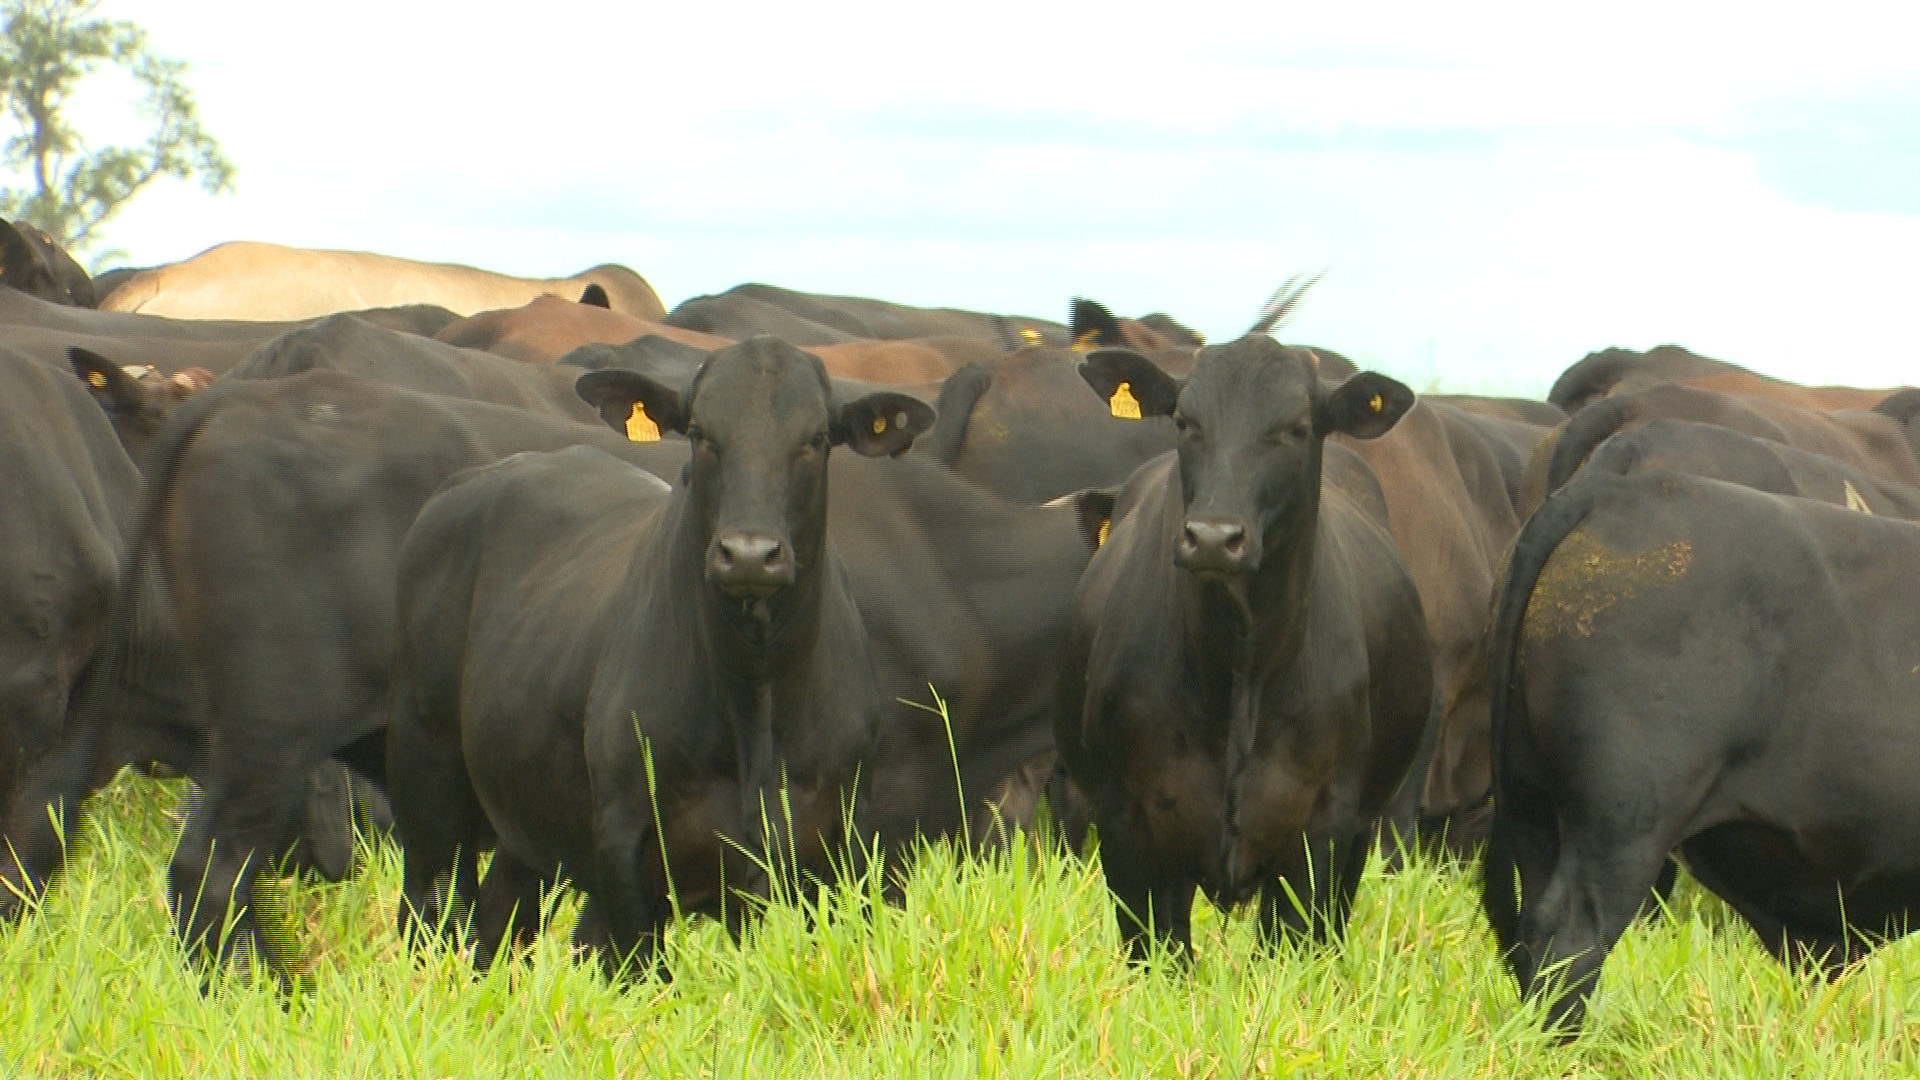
{"type": "Point", "coordinates": [542, 570]}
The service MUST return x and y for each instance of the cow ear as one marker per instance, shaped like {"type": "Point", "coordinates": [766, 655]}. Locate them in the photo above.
{"type": "Point", "coordinates": [1094, 508]}
{"type": "Point", "coordinates": [882, 423]}
{"type": "Point", "coordinates": [1093, 326]}
{"type": "Point", "coordinates": [1364, 407]}
{"type": "Point", "coordinates": [595, 296]}
{"type": "Point", "coordinates": [108, 382]}
{"type": "Point", "coordinates": [1132, 385]}
{"type": "Point", "coordinates": [632, 404]}
{"type": "Point", "coordinates": [21, 264]}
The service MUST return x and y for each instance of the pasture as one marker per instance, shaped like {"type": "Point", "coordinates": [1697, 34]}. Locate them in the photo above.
{"type": "Point", "coordinates": [1008, 966]}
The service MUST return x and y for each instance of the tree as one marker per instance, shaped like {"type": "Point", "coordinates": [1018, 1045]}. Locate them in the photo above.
{"type": "Point", "coordinates": [49, 47]}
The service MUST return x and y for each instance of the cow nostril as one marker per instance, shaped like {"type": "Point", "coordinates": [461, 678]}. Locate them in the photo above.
{"type": "Point", "coordinates": [776, 554]}
{"type": "Point", "coordinates": [1236, 540]}
{"type": "Point", "coordinates": [1189, 539]}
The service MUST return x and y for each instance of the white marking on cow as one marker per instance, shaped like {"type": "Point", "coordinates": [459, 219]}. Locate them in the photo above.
{"type": "Point", "coordinates": [1854, 501]}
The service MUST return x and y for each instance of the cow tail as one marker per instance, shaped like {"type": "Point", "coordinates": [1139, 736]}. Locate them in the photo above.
{"type": "Point", "coordinates": [954, 407]}
{"type": "Point", "coordinates": [1589, 428]}
{"type": "Point", "coordinates": [1523, 813]}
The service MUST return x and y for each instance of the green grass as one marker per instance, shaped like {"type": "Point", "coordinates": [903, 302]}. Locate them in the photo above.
{"type": "Point", "coordinates": [1006, 967]}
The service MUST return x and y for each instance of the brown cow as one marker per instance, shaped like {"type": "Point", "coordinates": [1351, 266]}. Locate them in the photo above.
{"type": "Point", "coordinates": [543, 331]}
{"type": "Point", "coordinates": [547, 328]}
{"type": "Point", "coordinates": [1451, 511]}
{"type": "Point", "coordinates": [267, 282]}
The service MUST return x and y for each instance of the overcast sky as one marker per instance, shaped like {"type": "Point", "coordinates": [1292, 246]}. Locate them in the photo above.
{"type": "Point", "coordinates": [1495, 190]}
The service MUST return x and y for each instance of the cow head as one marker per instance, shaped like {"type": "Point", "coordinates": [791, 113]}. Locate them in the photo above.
{"type": "Point", "coordinates": [1252, 419]}
{"type": "Point", "coordinates": [761, 417]}
{"type": "Point", "coordinates": [31, 262]}
{"type": "Point", "coordinates": [135, 399]}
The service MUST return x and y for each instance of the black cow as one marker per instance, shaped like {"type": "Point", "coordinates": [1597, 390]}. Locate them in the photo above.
{"type": "Point", "coordinates": [73, 498]}
{"type": "Point", "coordinates": [741, 317]}
{"type": "Point", "coordinates": [1880, 441]}
{"type": "Point", "coordinates": [1681, 663]}
{"type": "Point", "coordinates": [350, 344]}
{"type": "Point", "coordinates": [887, 321]}
{"type": "Point", "coordinates": [977, 610]}
{"type": "Point", "coordinates": [647, 693]}
{"type": "Point", "coordinates": [33, 263]}
{"type": "Point", "coordinates": [70, 494]}
{"type": "Point", "coordinates": [1720, 453]}
{"type": "Point", "coordinates": [274, 519]}
{"type": "Point", "coordinates": [1033, 429]}
{"type": "Point", "coordinates": [1248, 681]}
{"type": "Point", "coordinates": [1619, 371]}
{"type": "Point", "coordinates": [1027, 427]}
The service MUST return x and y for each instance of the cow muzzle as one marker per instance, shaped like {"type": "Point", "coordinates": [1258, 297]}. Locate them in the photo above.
{"type": "Point", "coordinates": [1214, 549]}
{"type": "Point", "coordinates": [746, 564]}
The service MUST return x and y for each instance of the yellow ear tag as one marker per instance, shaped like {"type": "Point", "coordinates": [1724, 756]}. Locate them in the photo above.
{"type": "Point", "coordinates": [1100, 538]}
{"type": "Point", "coordinates": [1033, 336]}
{"type": "Point", "coordinates": [640, 427]}
{"type": "Point", "coordinates": [1375, 403]}
{"type": "Point", "coordinates": [1087, 342]}
{"type": "Point", "coordinates": [1855, 501]}
{"type": "Point", "coordinates": [97, 380]}
{"type": "Point", "coordinates": [879, 425]}
{"type": "Point", "coordinates": [1123, 404]}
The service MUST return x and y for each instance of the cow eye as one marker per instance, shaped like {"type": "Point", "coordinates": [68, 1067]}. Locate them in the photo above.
{"type": "Point", "coordinates": [1295, 433]}
{"type": "Point", "coordinates": [695, 434]}
{"type": "Point", "coordinates": [818, 442]}
{"type": "Point", "coordinates": [1184, 426]}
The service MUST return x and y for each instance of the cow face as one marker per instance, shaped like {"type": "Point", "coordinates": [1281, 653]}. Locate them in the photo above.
{"type": "Point", "coordinates": [1252, 419]}
{"type": "Point", "coordinates": [761, 417]}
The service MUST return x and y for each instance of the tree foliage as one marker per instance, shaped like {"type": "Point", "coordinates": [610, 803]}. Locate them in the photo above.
{"type": "Point", "coordinates": [48, 48]}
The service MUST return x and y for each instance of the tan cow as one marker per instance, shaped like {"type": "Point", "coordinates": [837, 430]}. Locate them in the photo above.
{"type": "Point", "coordinates": [267, 282]}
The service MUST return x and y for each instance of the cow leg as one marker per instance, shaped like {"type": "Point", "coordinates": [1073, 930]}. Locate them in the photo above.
{"type": "Point", "coordinates": [216, 882]}
{"type": "Point", "coordinates": [507, 909]}
{"type": "Point", "coordinates": [591, 933]}
{"type": "Point", "coordinates": [632, 892]}
{"type": "Point", "coordinates": [441, 825]}
{"type": "Point", "coordinates": [1654, 904]}
{"type": "Point", "coordinates": [1313, 897]}
{"type": "Point", "coordinates": [1402, 827]}
{"type": "Point", "coordinates": [1148, 907]}
{"type": "Point", "coordinates": [45, 812]}
{"type": "Point", "coordinates": [1792, 945]}
{"type": "Point", "coordinates": [1567, 928]}
{"type": "Point", "coordinates": [1071, 810]}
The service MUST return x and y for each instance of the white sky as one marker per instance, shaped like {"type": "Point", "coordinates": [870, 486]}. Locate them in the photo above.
{"type": "Point", "coordinates": [1495, 190]}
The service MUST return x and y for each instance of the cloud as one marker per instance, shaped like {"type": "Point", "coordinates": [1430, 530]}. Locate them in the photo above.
{"type": "Point", "coordinates": [1496, 188]}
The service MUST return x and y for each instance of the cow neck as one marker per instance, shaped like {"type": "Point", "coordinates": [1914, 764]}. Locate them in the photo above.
{"type": "Point", "coordinates": [751, 650]}
{"type": "Point", "coordinates": [755, 757]}
{"type": "Point", "coordinates": [1252, 632]}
